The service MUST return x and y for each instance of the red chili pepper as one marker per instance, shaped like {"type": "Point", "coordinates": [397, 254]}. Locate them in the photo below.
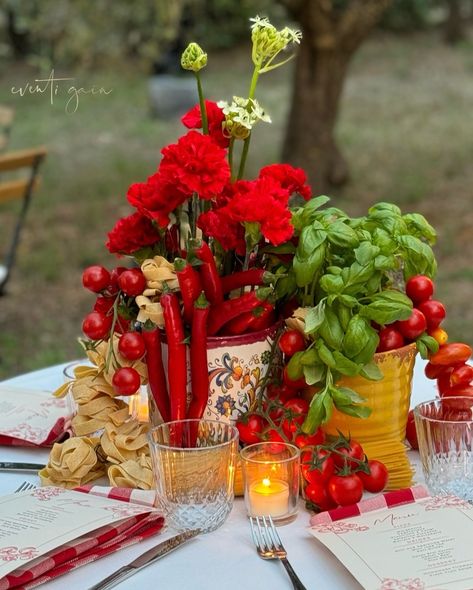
{"type": "Point", "coordinates": [190, 285]}
{"type": "Point", "coordinates": [450, 354]}
{"type": "Point", "coordinates": [259, 318]}
{"type": "Point", "coordinates": [461, 375]}
{"type": "Point", "coordinates": [208, 272]}
{"type": "Point", "coordinates": [227, 310]}
{"type": "Point", "coordinates": [177, 362]}
{"type": "Point", "coordinates": [156, 375]}
{"type": "Point", "coordinates": [264, 319]}
{"type": "Point", "coordinates": [253, 276]}
{"type": "Point", "coordinates": [238, 325]}
{"type": "Point", "coordinates": [199, 362]}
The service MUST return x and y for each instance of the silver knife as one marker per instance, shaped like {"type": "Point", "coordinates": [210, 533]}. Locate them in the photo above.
{"type": "Point", "coordinates": [13, 466]}
{"type": "Point", "coordinates": [147, 558]}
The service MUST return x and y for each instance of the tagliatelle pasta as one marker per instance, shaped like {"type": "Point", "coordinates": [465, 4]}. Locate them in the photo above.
{"type": "Point", "coordinates": [125, 442]}
{"type": "Point", "coordinates": [132, 474]}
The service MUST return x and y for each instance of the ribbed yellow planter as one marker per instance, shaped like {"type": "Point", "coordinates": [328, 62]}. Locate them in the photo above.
{"type": "Point", "coordinates": [382, 434]}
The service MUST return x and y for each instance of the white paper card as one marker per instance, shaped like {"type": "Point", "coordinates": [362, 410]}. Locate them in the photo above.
{"type": "Point", "coordinates": [426, 545]}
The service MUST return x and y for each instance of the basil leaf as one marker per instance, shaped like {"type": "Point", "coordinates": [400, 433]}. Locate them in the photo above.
{"type": "Point", "coordinates": [356, 411]}
{"type": "Point", "coordinates": [387, 307]}
{"type": "Point", "coordinates": [382, 262]}
{"type": "Point", "coordinates": [345, 396]}
{"type": "Point", "coordinates": [372, 372]}
{"type": "Point", "coordinates": [422, 348]}
{"type": "Point", "coordinates": [316, 414]}
{"type": "Point", "coordinates": [331, 330]}
{"type": "Point", "coordinates": [418, 257]}
{"type": "Point", "coordinates": [356, 336]}
{"type": "Point", "coordinates": [305, 268]}
{"type": "Point", "coordinates": [294, 366]}
{"type": "Point", "coordinates": [359, 273]}
{"type": "Point", "coordinates": [344, 316]}
{"type": "Point", "coordinates": [366, 252]}
{"type": "Point", "coordinates": [345, 366]}
{"type": "Point", "coordinates": [418, 226]}
{"type": "Point", "coordinates": [383, 240]}
{"type": "Point", "coordinates": [383, 206]}
{"type": "Point", "coordinates": [348, 300]}
{"type": "Point", "coordinates": [315, 317]}
{"type": "Point", "coordinates": [430, 342]}
{"type": "Point", "coordinates": [310, 357]}
{"type": "Point", "coordinates": [331, 283]}
{"type": "Point", "coordinates": [341, 234]}
{"type": "Point", "coordinates": [366, 354]}
{"type": "Point", "coordinates": [325, 354]}
{"type": "Point", "coordinates": [314, 374]}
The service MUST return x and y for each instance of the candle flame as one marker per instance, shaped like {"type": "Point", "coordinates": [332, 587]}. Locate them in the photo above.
{"type": "Point", "coordinates": [266, 482]}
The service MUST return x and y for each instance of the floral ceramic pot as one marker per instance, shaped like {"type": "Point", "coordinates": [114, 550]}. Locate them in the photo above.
{"type": "Point", "coordinates": [382, 434]}
{"type": "Point", "coordinates": [237, 365]}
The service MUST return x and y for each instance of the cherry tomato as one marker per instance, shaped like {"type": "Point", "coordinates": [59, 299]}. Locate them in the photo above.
{"type": "Point", "coordinates": [122, 326]}
{"type": "Point", "coordinates": [96, 325]}
{"type": "Point", "coordinates": [434, 313]}
{"type": "Point", "coordinates": [434, 371]}
{"type": "Point", "coordinates": [291, 341]}
{"type": "Point", "coordinates": [113, 287]}
{"type": "Point", "coordinates": [126, 381]}
{"type": "Point", "coordinates": [414, 326]}
{"type": "Point", "coordinates": [251, 429]}
{"type": "Point", "coordinates": [317, 494]}
{"type": "Point", "coordinates": [294, 385]}
{"type": "Point", "coordinates": [273, 436]}
{"type": "Point", "coordinates": [451, 354]}
{"type": "Point", "coordinates": [461, 375]}
{"type": "Point", "coordinates": [345, 489]}
{"type": "Point", "coordinates": [377, 479]}
{"type": "Point", "coordinates": [353, 451]}
{"type": "Point", "coordinates": [443, 381]}
{"type": "Point", "coordinates": [411, 432]}
{"type": "Point", "coordinates": [95, 278]}
{"type": "Point", "coordinates": [303, 440]}
{"type": "Point", "coordinates": [465, 390]}
{"type": "Point", "coordinates": [104, 304]}
{"type": "Point", "coordinates": [389, 339]}
{"type": "Point", "coordinates": [419, 288]}
{"type": "Point", "coordinates": [440, 335]}
{"type": "Point", "coordinates": [132, 346]}
{"type": "Point", "coordinates": [281, 392]}
{"type": "Point", "coordinates": [298, 409]}
{"type": "Point", "coordinates": [317, 466]}
{"type": "Point", "coordinates": [132, 282]}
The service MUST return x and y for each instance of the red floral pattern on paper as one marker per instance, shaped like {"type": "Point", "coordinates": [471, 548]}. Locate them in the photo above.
{"type": "Point", "coordinates": [340, 527]}
{"type": "Point", "coordinates": [124, 511]}
{"type": "Point", "coordinates": [447, 501]}
{"type": "Point", "coordinates": [13, 553]}
{"type": "Point", "coordinates": [24, 431]}
{"type": "Point", "coordinates": [45, 494]}
{"type": "Point", "coordinates": [407, 584]}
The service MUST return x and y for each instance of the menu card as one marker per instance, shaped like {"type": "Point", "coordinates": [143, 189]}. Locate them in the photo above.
{"type": "Point", "coordinates": [38, 521]}
{"type": "Point", "coordinates": [31, 417]}
{"type": "Point", "coordinates": [421, 545]}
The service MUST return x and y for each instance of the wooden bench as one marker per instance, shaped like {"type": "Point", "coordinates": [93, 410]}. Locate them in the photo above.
{"type": "Point", "coordinates": [6, 122]}
{"type": "Point", "coordinates": [27, 162]}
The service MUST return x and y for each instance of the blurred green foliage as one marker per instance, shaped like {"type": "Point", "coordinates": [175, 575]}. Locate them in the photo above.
{"type": "Point", "coordinates": [406, 15]}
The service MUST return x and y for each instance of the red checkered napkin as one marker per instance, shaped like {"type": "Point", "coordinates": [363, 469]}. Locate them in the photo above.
{"type": "Point", "coordinates": [94, 545]}
{"type": "Point", "coordinates": [58, 433]}
{"type": "Point", "coordinates": [388, 500]}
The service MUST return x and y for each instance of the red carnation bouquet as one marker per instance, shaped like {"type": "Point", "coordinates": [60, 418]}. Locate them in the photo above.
{"type": "Point", "coordinates": [205, 244]}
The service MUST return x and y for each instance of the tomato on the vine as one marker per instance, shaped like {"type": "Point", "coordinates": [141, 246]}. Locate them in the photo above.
{"type": "Point", "coordinates": [304, 440]}
{"type": "Point", "coordinates": [132, 282]}
{"type": "Point", "coordinates": [317, 494]}
{"type": "Point", "coordinates": [298, 408]}
{"type": "Point", "coordinates": [345, 489]}
{"type": "Point", "coordinates": [291, 341]}
{"type": "Point", "coordinates": [95, 278]}
{"type": "Point", "coordinates": [434, 371]}
{"type": "Point", "coordinates": [297, 384]}
{"type": "Point", "coordinates": [434, 313]}
{"type": "Point", "coordinates": [440, 335]}
{"type": "Point", "coordinates": [389, 339]}
{"type": "Point", "coordinates": [353, 450]}
{"type": "Point", "coordinates": [104, 304]}
{"type": "Point", "coordinates": [461, 375]}
{"type": "Point", "coordinates": [273, 436]}
{"type": "Point", "coordinates": [282, 392]}
{"type": "Point", "coordinates": [419, 288]}
{"type": "Point", "coordinates": [451, 354]}
{"type": "Point", "coordinates": [250, 429]}
{"type": "Point", "coordinates": [377, 478]}
{"type": "Point", "coordinates": [317, 466]}
{"type": "Point", "coordinates": [132, 346]}
{"type": "Point", "coordinates": [113, 287]}
{"type": "Point", "coordinates": [414, 326]}
{"type": "Point", "coordinates": [96, 325]}
{"type": "Point", "coordinates": [126, 381]}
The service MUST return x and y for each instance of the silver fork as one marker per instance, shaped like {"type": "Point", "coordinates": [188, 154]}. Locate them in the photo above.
{"type": "Point", "coordinates": [24, 487]}
{"type": "Point", "coordinates": [269, 545]}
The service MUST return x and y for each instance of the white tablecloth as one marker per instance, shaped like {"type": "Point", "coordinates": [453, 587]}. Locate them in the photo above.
{"type": "Point", "coordinates": [225, 559]}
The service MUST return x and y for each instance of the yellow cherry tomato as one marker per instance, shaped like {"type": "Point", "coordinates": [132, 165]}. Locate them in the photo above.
{"type": "Point", "coordinates": [440, 335]}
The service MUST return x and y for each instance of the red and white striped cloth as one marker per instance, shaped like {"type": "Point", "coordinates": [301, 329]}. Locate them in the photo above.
{"type": "Point", "coordinates": [92, 546]}
{"type": "Point", "coordinates": [387, 500]}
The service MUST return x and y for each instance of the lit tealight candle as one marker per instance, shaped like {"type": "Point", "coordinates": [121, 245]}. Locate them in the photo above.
{"type": "Point", "coordinates": [269, 498]}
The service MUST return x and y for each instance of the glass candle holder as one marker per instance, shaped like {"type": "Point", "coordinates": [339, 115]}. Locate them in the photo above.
{"type": "Point", "coordinates": [445, 435]}
{"type": "Point", "coordinates": [194, 465]}
{"type": "Point", "coordinates": [271, 480]}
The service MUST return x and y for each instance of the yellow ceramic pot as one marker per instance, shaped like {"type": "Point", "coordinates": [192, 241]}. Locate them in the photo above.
{"type": "Point", "coordinates": [382, 434]}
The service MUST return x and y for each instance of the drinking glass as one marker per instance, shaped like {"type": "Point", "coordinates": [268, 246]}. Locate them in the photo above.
{"type": "Point", "coordinates": [445, 434]}
{"type": "Point", "coordinates": [271, 478]}
{"type": "Point", "coordinates": [194, 465]}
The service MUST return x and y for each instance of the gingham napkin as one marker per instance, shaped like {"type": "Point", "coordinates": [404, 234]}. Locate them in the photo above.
{"type": "Point", "coordinates": [92, 546]}
{"type": "Point", "coordinates": [32, 417]}
{"type": "Point", "coordinates": [388, 500]}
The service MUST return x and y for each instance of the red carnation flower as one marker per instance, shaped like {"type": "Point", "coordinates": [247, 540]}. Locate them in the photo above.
{"type": "Point", "coordinates": [290, 178]}
{"type": "Point", "coordinates": [155, 198]}
{"type": "Point", "coordinates": [132, 233]}
{"type": "Point", "coordinates": [195, 164]}
{"type": "Point", "coordinates": [215, 118]}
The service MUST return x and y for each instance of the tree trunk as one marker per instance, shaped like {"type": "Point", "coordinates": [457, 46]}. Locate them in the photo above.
{"type": "Point", "coordinates": [310, 140]}
{"type": "Point", "coordinates": [454, 31]}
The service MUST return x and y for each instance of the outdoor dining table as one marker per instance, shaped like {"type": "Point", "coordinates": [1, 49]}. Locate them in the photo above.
{"type": "Point", "coordinates": [224, 559]}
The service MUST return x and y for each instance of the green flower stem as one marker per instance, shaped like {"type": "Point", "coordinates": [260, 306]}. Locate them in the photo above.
{"type": "Point", "coordinates": [111, 352]}
{"type": "Point", "coordinates": [194, 210]}
{"type": "Point", "coordinates": [203, 110]}
{"type": "Point", "coordinates": [244, 155]}
{"type": "Point", "coordinates": [254, 81]}
{"type": "Point", "coordinates": [230, 157]}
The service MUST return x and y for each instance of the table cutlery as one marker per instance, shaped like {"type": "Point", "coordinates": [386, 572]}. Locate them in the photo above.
{"type": "Point", "coordinates": [147, 558]}
{"type": "Point", "coordinates": [15, 466]}
{"type": "Point", "coordinates": [269, 546]}
{"type": "Point", "coordinates": [24, 487]}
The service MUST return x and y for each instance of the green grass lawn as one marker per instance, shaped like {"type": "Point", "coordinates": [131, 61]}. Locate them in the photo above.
{"type": "Point", "coordinates": [405, 127]}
